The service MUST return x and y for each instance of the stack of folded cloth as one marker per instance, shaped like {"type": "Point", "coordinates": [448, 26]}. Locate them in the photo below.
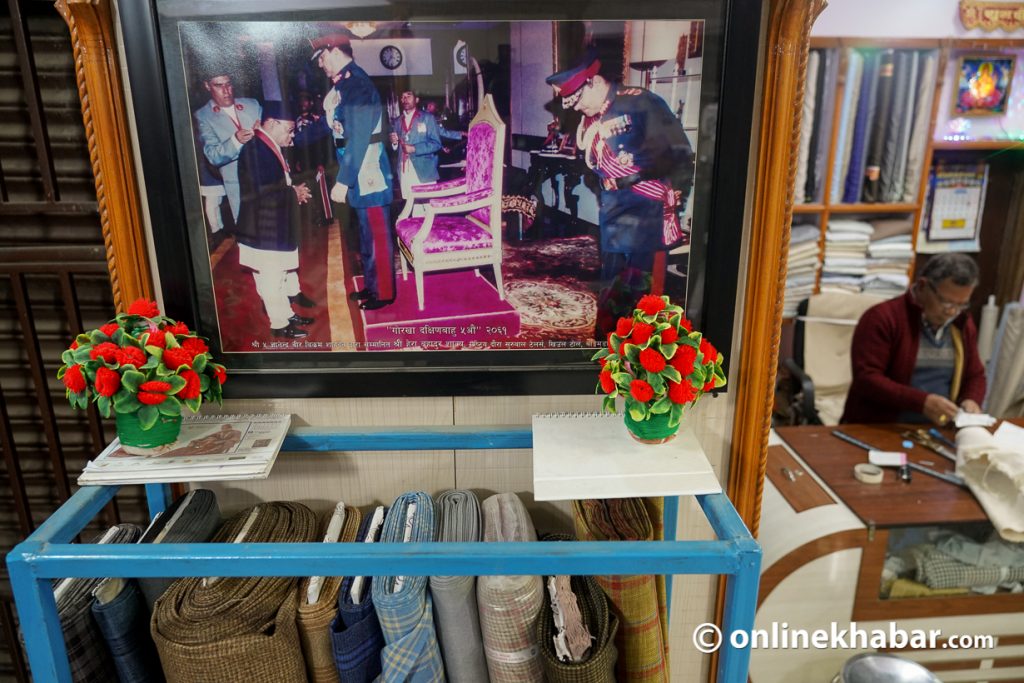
{"type": "Point", "coordinates": [403, 604]}
{"type": "Point", "coordinates": [318, 600]}
{"type": "Point", "coordinates": [237, 629]}
{"type": "Point", "coordinates": [889, 256]}
{"type": "Point", "coordinates": [576, 630]}
{"type": "Point", "coordinates": [845, 265]}
{"type": "Point", "coordinates": [509, 605]}
{"type": "Point", "coordinates": [455, 608]}
{"type": "Point", "coordinates": [802, 266]}
{"type": "Point", "coordinates": [88, 655]}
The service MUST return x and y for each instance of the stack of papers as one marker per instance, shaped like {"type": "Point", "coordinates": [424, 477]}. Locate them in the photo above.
{"type": "Point", "coordinates": [209, 448]}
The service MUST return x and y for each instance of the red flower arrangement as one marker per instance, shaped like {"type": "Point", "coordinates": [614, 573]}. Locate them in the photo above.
{"type": "Point", "coordinates": [658, 363]}
{"type": "Point", "coordinates": [141, 362]}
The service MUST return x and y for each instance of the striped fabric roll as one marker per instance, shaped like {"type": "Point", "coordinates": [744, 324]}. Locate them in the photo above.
{"type": "Point", "coordinates": [638, 601]}
{"type": "Point", "coordinates": [88, 654]}
{"type": "Point", "coordinates": [237, 629]}
{"type": "Point", "coordinates": [315, 620]}
{"type": "Point", "coordinates": [509, 605]}
{"type": "Point", "coordinates": [356, 638]}
{"type": "Point", "coordinates": [403, 604]}
{"type": "Point", "coordinates": [455, 609]}
{"type": "Point", "coordinates": [598, 665]}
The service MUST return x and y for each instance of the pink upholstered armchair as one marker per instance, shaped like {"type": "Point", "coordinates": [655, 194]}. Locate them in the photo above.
{"type": "Point", "coordinates": [461, 222]}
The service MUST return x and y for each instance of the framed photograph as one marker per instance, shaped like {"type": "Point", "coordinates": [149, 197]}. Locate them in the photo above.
{"type": "Point", "coordinates": [356, 199]}
{"type": "Point", "coordinates": [983, 85]}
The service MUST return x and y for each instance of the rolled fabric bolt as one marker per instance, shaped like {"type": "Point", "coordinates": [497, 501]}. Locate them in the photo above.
{"type": "Point", "coordinates": [867, 473]}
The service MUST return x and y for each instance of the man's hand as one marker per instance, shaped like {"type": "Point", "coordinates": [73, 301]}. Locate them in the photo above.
{"type": "Point", "coordinates": [302, 193]}
{"type": "Point", "coordinates": [394, 139]}
{"type": "Point", "coordinates": [939, 409]}
{"type": "Point", "coordinates": [970, 406]}
{"type": "Point", "coordinates": [243, 135]}
{"type": "Point", "coordinates": [339, 192]}
{"type": "Point", "coordinates": [409, 149]}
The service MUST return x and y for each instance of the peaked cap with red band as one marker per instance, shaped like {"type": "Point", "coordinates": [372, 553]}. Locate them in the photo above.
{"type": "Point", "coordinates": [328, 42]}
{"type": "Point", "coordinates": [569, 84]}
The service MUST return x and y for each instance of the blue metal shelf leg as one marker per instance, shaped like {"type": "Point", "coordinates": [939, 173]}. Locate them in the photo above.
{"type": "Point", "coordinates": [37, 616]}
{"type": "Point", "coordinates": [740, 607]}
{"type": "Point", "coordinates": [670, 522]}
{"type": "Point", "coordinates": [158, 496]}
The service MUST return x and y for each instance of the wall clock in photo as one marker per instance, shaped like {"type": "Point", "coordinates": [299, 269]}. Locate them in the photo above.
{"type": "Point", "coordinates": [390, 57]}
{"type": "Point", "coordinates": [462, 55]}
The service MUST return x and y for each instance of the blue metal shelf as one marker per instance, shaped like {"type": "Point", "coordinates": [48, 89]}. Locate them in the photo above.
{"type": "Point", "coordinates": [49, 554]}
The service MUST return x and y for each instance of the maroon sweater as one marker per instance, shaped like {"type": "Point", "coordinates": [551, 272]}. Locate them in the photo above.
{"type": "Point", "coordinates": [883, 357]}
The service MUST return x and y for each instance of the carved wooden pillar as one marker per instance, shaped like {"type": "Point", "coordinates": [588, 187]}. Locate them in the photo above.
{"type": "Point", "coordinates": [106, 129]}
{"type": "Point", "coordinates": [785, 66]}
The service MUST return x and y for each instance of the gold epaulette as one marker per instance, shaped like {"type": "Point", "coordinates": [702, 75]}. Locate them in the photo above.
{"type": "Point", "coordinates": [629, 91]}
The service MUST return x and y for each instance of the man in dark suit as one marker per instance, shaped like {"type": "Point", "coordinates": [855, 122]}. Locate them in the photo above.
{"type": "Point", "coordinates": [267, 239]}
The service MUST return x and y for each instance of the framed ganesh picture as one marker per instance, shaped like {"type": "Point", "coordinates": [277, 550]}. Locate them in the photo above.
{"type": "Point", "coordinates": [459, 198]}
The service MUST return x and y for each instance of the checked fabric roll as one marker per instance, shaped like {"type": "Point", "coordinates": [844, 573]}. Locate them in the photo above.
{"type": "Point", "coordinates": [192, 518]}
{"type": "Point", "coordinates": [638, 601]}
{"type": "Point", "coordinates": [88, 654]}
{"type": "Point", "coordinates": [315, 620]}
{"type": "Point", "coordinates": [599, 664]}
{"type": "Point", "coordinates": [403, 604]}
{"type": "Point", "coordinates": [455, 608]}
{"type": "Point", "coordinates": [509, 605]}
{"type": "Point", "coordinates": [356, 638]}
{"type": "Point", "coordinates": [237, 629]}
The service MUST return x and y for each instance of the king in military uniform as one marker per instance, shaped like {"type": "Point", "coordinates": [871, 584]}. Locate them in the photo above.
{"type": "Point", "coordinates": [353, 112]}
{"type": "Point", "coordinates": [637, 148]}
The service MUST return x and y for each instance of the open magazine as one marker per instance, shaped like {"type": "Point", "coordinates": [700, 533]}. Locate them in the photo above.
{"type": "Point", "coordinates": [209, 448]}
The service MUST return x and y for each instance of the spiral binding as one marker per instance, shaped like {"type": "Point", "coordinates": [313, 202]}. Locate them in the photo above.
{"type": "Point", "coordinates": [580, 414]}
{"type": "Point", "coordinates": [251, 417]}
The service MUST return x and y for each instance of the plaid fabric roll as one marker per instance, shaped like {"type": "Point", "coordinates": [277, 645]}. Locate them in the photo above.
{"type": "Point", "coordinates": [237, 629]}
{"type": "Point", "coordinates": [599, 664]}
{"type": "Point", "coordinates": [315, 620]}
{"type": "Point", "coordinates": [356, 638]}
{"type": "Point", "coordinates": [455, 609]}
{"type": "Point", "coordinates": [936, 569]}
{"type": "Point", "coordinates": [88, 654]}
{"type": "Point", "coordinates": [509, 605]}
{"type": "Point", "coordinates": [403, 604]}
{"type": "Point", "coordinates": [196, 522]}
{"type": "Point", "coordinates": [638, 601]}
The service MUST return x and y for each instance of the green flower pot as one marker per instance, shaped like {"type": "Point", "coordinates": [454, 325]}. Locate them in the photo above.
{"type": "Point", "coordinates": [134, 438]}
{"type": "Point", "coordinates": [654, 430]}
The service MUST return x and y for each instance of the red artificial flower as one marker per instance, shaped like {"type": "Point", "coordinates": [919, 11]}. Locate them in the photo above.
{"type": "Point", "coordinates": [107, 351]}
{"type": "Point", "coordinates": [195, 346]}
{"type": "Point", "coordinates": [652, 361]}
{"type": "Point", "coordinates": [607, 383]}
{"type": "Point", "coordinates": [641, 333]}
{"type": "Point", "coordinates": [686, 324]}
{"type": "Point", "coordinates": [683, 359]}
{"type": "Point", "coordinates": [191, 388]}
{"type": "Point", "coordinates": [151, 399]}
{"type": "Point", "coordinates": [74, 345]}
{"type": "Point", "coordinates": [175, 358]}
{"type": "Point", "coordinates": [681, 392]}
{"type": "Point", "coordinates": [669, 336]}
{"type": "Point", "coordinates": [131, 355]}
{"type": "Point", "coordinates": [157, 338]}
{"type": "Point", "coordinates": [641, 390]}
{"type": "Point", "coordinates": [623, 327]}
{"type": "Point", "coordinates": [176, 329]}
{"type": "Point", "coordinates": [651, 304]}
{"type": "Point", "coordinates": [74, 380]}
{"type": "Point", "coordinates": [107, 382]}
{"type": "Point", "coordinates": [144, 307]}
{"type": "Point", "coordinates": [604, 362]}
{"type": "Point", "coordinates": [710, 354]}
{"type": "Point", "coordinates": [221, 373]}
{"type": "Point", "coordinates": [709, 385]}
{"type": "Point", "coordinates": [155, 385]}
{"type": "Point", "coordinates": [109, 329]}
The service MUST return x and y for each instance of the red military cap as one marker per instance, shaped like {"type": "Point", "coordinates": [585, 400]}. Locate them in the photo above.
{"type": "Point", "coordinates": [328, 42]}
{"type": "Point", "coordinates": [569, 84]}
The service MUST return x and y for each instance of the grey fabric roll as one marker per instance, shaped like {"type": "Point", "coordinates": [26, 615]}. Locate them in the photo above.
{"type": "Point", "coordinates": [922, 126]}
{"type": "Point", "coordinates": [88, 654]}
{"type": "Point", "coordinates": [455, 609]}
{"type": "Point", "coordinates": [895, 185]}
{"type": "Point", "coordinates": [890, 188]}
{"type": "Point", "coordinates": [509, 605]}
{"type": "Point", "coordinates": [197, 523]}
{"type": "Point", "coordinates": [878, 125]}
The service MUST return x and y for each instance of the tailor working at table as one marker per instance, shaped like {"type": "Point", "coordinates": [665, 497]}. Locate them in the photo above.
{"type": "Point", "coordinates": [915, 357]}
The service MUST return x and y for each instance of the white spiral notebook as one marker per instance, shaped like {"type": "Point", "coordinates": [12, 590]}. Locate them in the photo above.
{"type": "Point", "coordinates": [591, 455]}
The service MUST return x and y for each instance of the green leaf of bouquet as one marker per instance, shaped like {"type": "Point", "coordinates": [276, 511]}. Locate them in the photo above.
{"type": "Point", "coordinates": [67, 358]}
{"type": "Point", "coordinates": [608, 405]}
{"type": "Point", "coordinates": [199, 364]}
{"type": "Point", "coordinates": [656, 382]}
{"type": "Point", "coordinates": [638, 411]}
{"type": "Point", "coordinates": [97, 337]}
{"type": "Point", "coordinates": [669, 350]}
{"type": "Point", "coordinates": [151, 363]}
{"type": "Point", "coordinates": [170, 407]}
{"type": "Point", "coordinates": [599, 355]}
{"type": "Point", "coordinates": [131, 380]}
{"type": "Point", "coordinates": [621, 377]}
{"type": "Point", "coordinates": [675, 415]}
{"type": "Point", "coordinates": [103, 403]}
{"type": "Point", "coordinates": [177, 383]}
{"type": "Point", "coordinates": [118, 337]}
{"type": "Point", "coordinates": [170, 342]}
{"type": "Point", "coordinates": [81, 354]}
{"type": "Point", "coordinates": [616, 342]}
{"type": "Point", "coordinates": [192, 404]}
{"type": "Point", "coordinates": [61, 370]}
{"type": "Point", "coordinates": [148, 416]}
{"type": "Point", "coordinates": [699, 375]}
{"type": "Point", "coordinates": [670, 373]}
{"type": "Point", "coordinates": [204, 382]}
{"type": "Point", "coordinates": [154, 350]}
{"type": "Point", "coordinates": [125, 402]}
{"type": "Point", "coordinates": [661, 406]}
{"type": "Point", "coordinates": [633, 353]}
